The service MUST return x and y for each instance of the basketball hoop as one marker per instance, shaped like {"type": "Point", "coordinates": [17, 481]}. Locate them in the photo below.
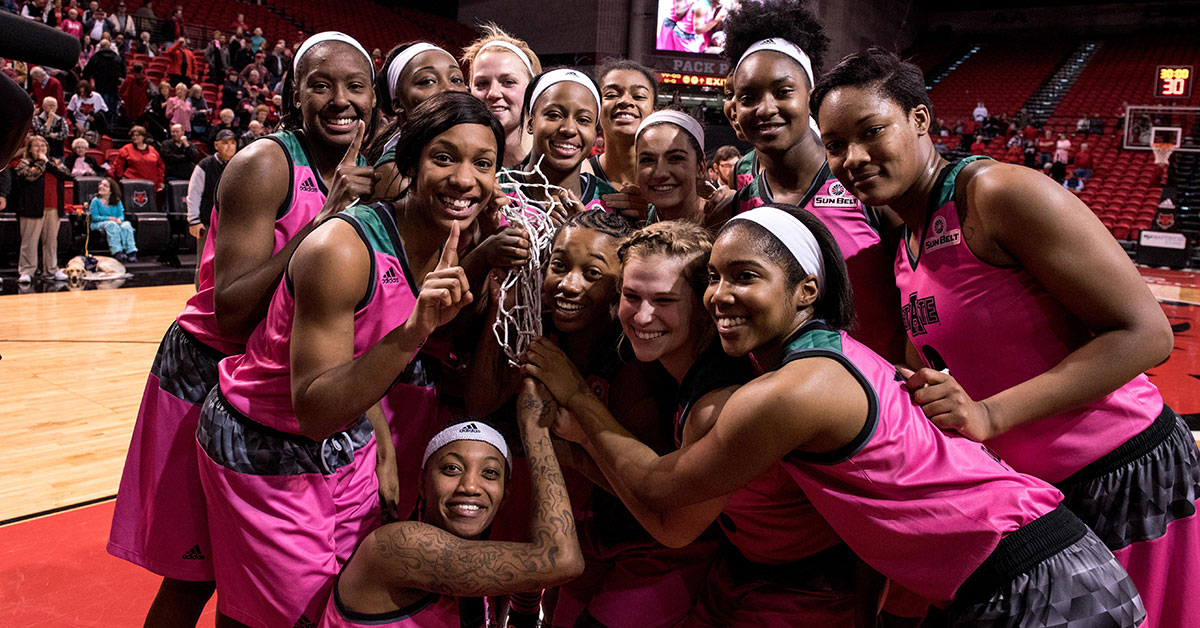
{"type": "Point", "coordinates": [1162, 153]}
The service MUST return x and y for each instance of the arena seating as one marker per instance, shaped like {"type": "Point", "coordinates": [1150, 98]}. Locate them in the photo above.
{"type": "Point", "coordinates": [1002, 74]}
{"type": "Point", "coordinates": [374, 25]}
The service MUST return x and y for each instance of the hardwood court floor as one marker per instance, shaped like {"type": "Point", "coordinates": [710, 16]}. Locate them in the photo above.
{"type": "Point", "coordinates": [72, 369]}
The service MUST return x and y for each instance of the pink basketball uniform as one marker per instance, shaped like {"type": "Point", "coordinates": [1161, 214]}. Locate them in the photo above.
{"type": "Point", "coordinates": [434, 611]}
{"type": "Point", "coordinates": [995, 327]}
{"type": "Point", "coordinates": [922, 506]}
{"type": "Point", "coordinates": [856, 229]}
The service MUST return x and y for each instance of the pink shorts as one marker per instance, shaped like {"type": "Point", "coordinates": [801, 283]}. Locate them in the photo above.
{"type": "Point", "coordinates": [159, 521]}
{"type": "Point", "coordinates": [739, 595]}
{"type": "Point", "coordinates": [411, 410]}
{"type": "Point", "coordinates": [279, 540]}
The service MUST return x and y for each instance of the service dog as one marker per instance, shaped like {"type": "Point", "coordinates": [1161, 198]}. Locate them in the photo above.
{"type": "Point", "coordinates": [104, 268]}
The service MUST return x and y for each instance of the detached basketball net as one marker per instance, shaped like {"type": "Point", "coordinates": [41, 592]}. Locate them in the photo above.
{"type": "Point", "coordinates": [519, 310]}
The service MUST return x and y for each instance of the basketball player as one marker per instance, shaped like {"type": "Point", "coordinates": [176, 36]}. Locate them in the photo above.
{"type": "Point", "coordinates": [900, 492]}
{"type": "Point", "coordinates": [1032, 326]}
{"type": "Point", "coordinates": [419, 573]}
{"type": "Point", "coordinates": [411, 73]}
{"type": "Point", "coordinates": [501, 67]}
{"type": "Point", "coordinates": [274, 193]}
{"type": "Point", "coordinates": [287, 457]}
{"type": "Point", "coordinates": [628, 92]}
{"type": "Point", "coordinates": [670, 161]}
{"type": "Point", "coordinates": [774, 46]}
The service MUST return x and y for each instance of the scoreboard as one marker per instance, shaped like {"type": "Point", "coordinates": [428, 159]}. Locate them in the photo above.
{"type": "Point", "coordinates": [1173, 81]}
{"type": "Point", "coordinates": [676, 78]}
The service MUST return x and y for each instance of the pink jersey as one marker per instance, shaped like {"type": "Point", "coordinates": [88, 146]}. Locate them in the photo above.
{"type": "Point", "coordinates": [856, 229]}
{"type": "Point", "coordinates": [995, 327]}
{"type": "Point", "coordinates": [435, 611]}
{"type": "Point", "coordinates": [922, 506]}
{"type": "Point", "coordinates": [304, 201]}
{"type": "Point", "coordinates": [258, 382]}
{"type": "Point", "coordinates": [770, 520]}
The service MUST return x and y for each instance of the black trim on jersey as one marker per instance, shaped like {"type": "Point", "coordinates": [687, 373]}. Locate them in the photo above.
{"type": "Point", "coordinates": [813, 187]}
{"type": "Point", "coordinates": [362, 235]}
{"type": "Point", "coordinates": [312, 164]}
{"type": "Point", "coordinates": [845, 452]}
{"type": "Point", "coordinates": [597, 169]}
{"type": "Point", "coordinates": [378, 619]}
{"type": "Point", "coordinates": [389, 225]}
{"type": "Point", "coordinates": [712, 369]}
{"type": "Point", "coordinates": [954, 168]}
{"type": "Point", "coordinates": [287, 201]}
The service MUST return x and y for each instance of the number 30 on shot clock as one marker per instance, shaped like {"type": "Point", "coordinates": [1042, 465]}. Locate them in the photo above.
{"type": "Point", "coordinates": [1173, 81]}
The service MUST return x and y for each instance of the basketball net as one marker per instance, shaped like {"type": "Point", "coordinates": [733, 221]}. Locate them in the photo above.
{"type": "Point", "coordinates": [519, 303]}
{"type": "Point", "coordinates": [1162, 153]}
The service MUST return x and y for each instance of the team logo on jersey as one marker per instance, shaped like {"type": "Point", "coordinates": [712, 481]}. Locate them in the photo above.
{"type": "Point", "coordinates": [836, 197]}
{"type": "Point", "coordinates": [837, 189]}
{"type": "Point", "coordinates": [918, 313]}
{"type": "Point", "coordinates": [390, 277]}
{"type": "Point", "coordinates": [308, 186]}
{"type": "Point", "coordinates": [1165, 220]}
{"type": "Point", "coordinates": [140, 198]}
{"type": "Point", "coordinates": [941, 238]}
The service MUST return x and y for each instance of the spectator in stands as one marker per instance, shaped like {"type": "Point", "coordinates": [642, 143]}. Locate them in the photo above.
{"type": "Point", "coordinates": [120, 44]}
{"type": "Point", "coordinates": [139, 159]}
{"type": "Point", "coordinates": [980, 113]}
{"type": "Point", "coordinates": [172, 27]}
{"type": "Point", "coordinates": [377, 60]}
{"type": "Point", "coordinates": [1045, 145]}
{"type": "Point", "coordinates": [1062, 149]}
{"type": "Point", "coordinates": [146, 18]}
{"type": "Point", "coordinates": [200, 112]}
{"type": "Point", "coordinates": [82, 164]}
{"type": "Point", "coordinates": [232, 90]}
{"type": "Point", "coordinates": [107, 214]}
{"type": "Point", "coordinates": [181, 67]}
{"type": "Point", "coordinates": [257, 40]}
{"type": "Point", "coordinates": [143, 46]}
{"type": "Point", "coordinates": [134, 92]}
{"type": "Point", "coordinates": [87, 109]}
{"type": "Point", "coordinates": [978, 147]}
{"type": "Point", "coordinates": [179, 109]}
{"type": "Point", "coordinates": [722, 166]}
{"type": "Point", "coordinates": [276, 62]}
{"type": "Point", "coordinates": [202, 188]}
{"type": "Point", "coordinates": [240, 23]}
{"type": "Point", "coordinates": [1083, 125]}
{"type": "Point", "coordinates": [939, 144]}
{"type": "Point", "coordinates": [967, 129]}
{"type": "Point", "coordinates": [51, 126]}
{"type": "Point", "coordinates": [97, 25]}
{"type": "Point", "coordinates": [1057, 171]}
{"type": "Point", "coordinates": [1083, 162]}
{"type": "Point", "coordinates": [226, 122]}
{"type": "Point", "coordinates": [1015, 153]}
{"type": "Point", "coordinates": [43, 85]}
{"type": "Point", "coordinates": [178, 154]}
{"type": "Point", "coordinates": [1097, 125]}
{"type": "Point", "coordinates": [33, 9]}
{"type": "Point", "coordinates": [256, 73]}
{"type": "Point", "coordinates": [239, 51]}
{"type": "Point", "coordinates": [71, 24]}
{"type": "Point", "coordinates": [1075, 184]}
{"type": "Point", "coordinates": [86, 50]}
{"type": "Point", "coordinates": [155, 117]}
{"type": "Point", "coordinates": [217, 56]}
{"type": "Point", "coordinates": [1029, 132]}
{"type": "Point", "coordinates": [90, 13]}
{"type": "Point", "coordinates": [1031, 153]}
{"type": "Point", "coordinates": [254, 131]}
{"type": "Point", "coordinates": [106, 69]}
{"type": "Point", "coordinates": [123, 23]}
{"type": "Point", "coordinates": [37, 209]}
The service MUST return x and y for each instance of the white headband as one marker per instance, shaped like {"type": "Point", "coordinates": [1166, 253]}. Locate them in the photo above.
{"type": "Point", "coordinates": [471, 430]}
{"type": "Point", "coordinates": [794, 235]}
{"type": "Point", "coordinates": [511, 48]}
{"type": "Point", "coordinates": [786, 47]}
{"type": "Point", "coordinates": [396, 67]}
{"type": "Point", "coordinates": [560, 75]}
{"type": "Point", "coordinates": [679, 119]}
{"type": "Point", "coordinates": [330, 36]}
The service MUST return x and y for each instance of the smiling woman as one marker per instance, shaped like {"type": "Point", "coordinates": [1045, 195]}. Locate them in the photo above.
{"type": "Point", "coordinates": [274, 193]}
{"type": "Point", "coordinates": [501, 67]}
{"type": "Point", "coordinates": [294, 420]}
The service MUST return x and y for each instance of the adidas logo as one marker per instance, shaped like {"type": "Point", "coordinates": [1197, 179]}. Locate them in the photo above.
{"type": "Point", "coordinates": [390, 277]}
{"type": "Point", "coordinates": [193, 554]}
{"type": "Point", "coordinates": [304, 622]}
{"type": "Point", "coordinates": [308, 185]}
{"type": "Point", "coordinates": [469, 429]}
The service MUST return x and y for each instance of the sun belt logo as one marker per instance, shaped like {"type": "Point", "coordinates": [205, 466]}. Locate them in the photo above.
{"type": "Point", "coordinates": [390, 277]}
{"type": "Point", "coordinates": [941, 238]}
{"type": "Point", "coordinates": [837, 189]}
{"type": "Point", "coordinates": [308, 186]}
{"type": "Point", "coordinates": [836, 197]}
{"type": "Point", "coordinates": [918, 313]}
